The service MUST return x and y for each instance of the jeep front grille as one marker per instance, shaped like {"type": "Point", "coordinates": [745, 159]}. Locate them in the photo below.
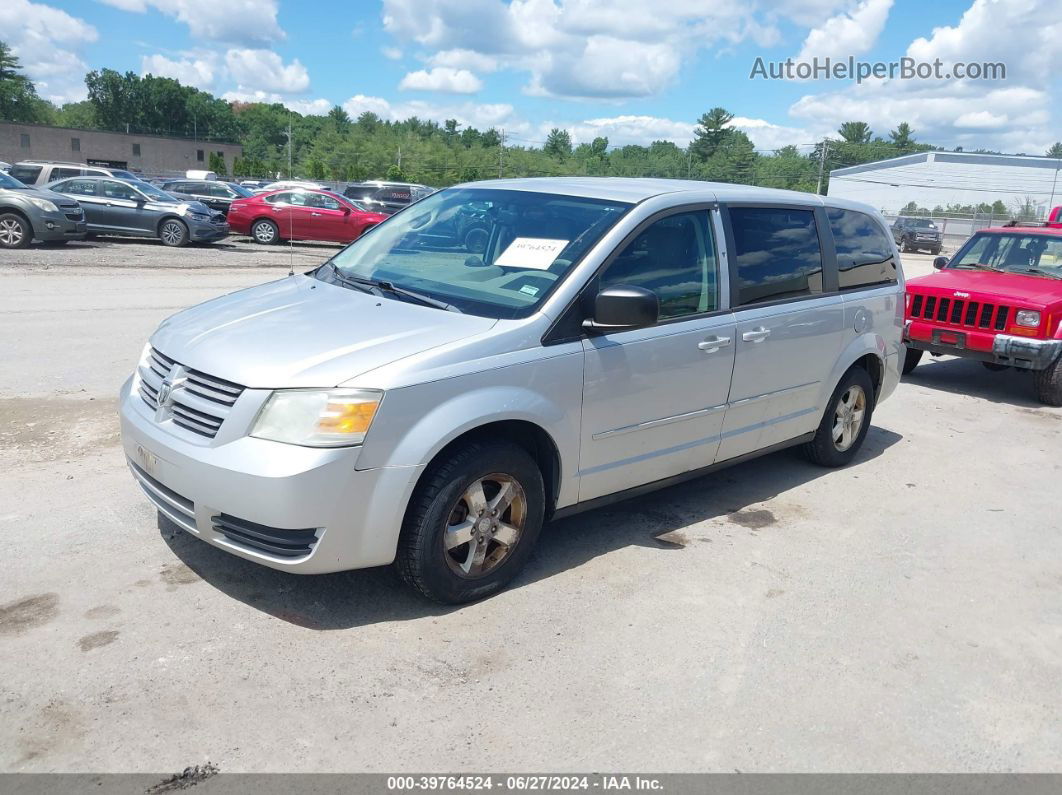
{"type": "Point", "coordinates": [201, 402]}
{"type": "Point", "coordinates": [959, 312]}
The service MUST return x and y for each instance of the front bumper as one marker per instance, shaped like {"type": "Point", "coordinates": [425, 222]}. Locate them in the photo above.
{"type": "Point", "coordinates": [1006, 349]}
{"type": "Point", "coordinates": [272, 491]}
{"type": "Point", "coordinates": [206, 232]}
{"type": "Point", "coordinates": [49, 227]}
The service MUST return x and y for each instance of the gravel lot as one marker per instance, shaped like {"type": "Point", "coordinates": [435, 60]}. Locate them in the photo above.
{"type": "Point", "coordinates": [903, 614]}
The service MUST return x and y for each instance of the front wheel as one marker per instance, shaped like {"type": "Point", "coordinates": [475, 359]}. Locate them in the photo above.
{"type": "Point", "coordinates": [15, 231]}
{"type": "Point", "coordinates": [173, 233]}
{"type": "Point", "coordinates": [846, 421]}
{"type": "Point", "coordinates": [911, 360]}
{"type": "Point", "coordinates": [472, 522]}
{"type": "Point", "coordinates": [1049, 384]}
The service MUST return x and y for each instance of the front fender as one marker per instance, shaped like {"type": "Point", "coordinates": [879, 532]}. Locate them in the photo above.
{"type": "Point", "coordinates": [414, 423]}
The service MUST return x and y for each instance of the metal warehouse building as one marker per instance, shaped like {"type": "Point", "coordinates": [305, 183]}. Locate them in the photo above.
{"type": "Point", "coordinates": [932, 179]}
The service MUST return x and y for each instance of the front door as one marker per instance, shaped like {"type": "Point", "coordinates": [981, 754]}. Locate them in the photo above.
{"type": "Point", "coordinates": [124, 208]}
{"type": "Point", "coordinates": [654, 398]}
{"type": "Point", "coordinates": [789, 328]}
{"type": "Point", "coordinates": [328, 221]}
{"type": "Point", "coordinates": [84, 190]}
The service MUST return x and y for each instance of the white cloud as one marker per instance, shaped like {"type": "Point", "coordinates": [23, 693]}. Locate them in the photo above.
{"type": "Point", "coordinates": [852, 32]}
{"type": "Point", "coordinates": [624, 130]}
{"type": "Point", "coordinates": [482, 116]}
{"type": "Point", "coordinates": [1012, 115]}
{"type": "Point", "coordinates": [48, 42]}
{"type": "Point", "coordinates": [442, 78]}
{"type": "Point", "coordinates": [231, 20]}
{"type": "Point", "coordinates": [190, 71]}
{"type": "Point", "coordinates": [587, 48]}
{"type": "Point", "coordinates": [265, 70]}
{"type": "Point", "coordinates": [391, 53]}
{"type": "Point", "coordinates": [307, 107]}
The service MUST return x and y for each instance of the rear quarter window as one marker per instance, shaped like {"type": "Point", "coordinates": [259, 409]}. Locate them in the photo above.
{"type": "Point", "coordinates": [776, 254]}
{"type": "Point", "coordinates": [864, 253]}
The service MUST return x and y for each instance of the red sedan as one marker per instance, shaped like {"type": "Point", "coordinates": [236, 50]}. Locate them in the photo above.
{"type": "Point", "coordinates": [298, 214]}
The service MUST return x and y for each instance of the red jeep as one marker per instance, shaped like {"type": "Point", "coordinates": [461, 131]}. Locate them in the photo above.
{"type": "Point", "coordinates": [998, 300]}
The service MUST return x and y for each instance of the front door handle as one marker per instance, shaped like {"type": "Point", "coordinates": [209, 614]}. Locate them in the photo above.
{"type": "Point", "coordinates": [712, 344]}
{"type": "Point", "coordinates": [756, 335]}
{"type": "Point", "coordinates": [314, 213]}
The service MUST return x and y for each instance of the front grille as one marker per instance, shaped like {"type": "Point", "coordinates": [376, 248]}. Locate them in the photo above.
{"type": "Point", "coordinates": [218, 218]}
{"type": "Point", "coordinates": [958, 312]}
{"type": "Point", "coordinates": [273, 540]}
{"type": "Point", "coordinates": [74, 215]}
{"type": "Point", "coordinates": [200, 402]}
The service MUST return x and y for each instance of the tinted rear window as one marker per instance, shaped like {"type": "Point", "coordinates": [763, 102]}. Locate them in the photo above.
{"type": "Point", "coordinates": [864, 253]}
{"type": "Point", "coordinates": [25, 174]}
{"type": "Point", "coordinates": [776, 250]}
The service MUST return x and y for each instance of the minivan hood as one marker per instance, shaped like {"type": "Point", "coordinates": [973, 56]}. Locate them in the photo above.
{"type": "Point", "coordinates": [1014, 287]}
{"type": "Point", "coordinates": [302, 332]}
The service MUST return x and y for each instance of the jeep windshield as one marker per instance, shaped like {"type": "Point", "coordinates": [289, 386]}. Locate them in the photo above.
{"type": "Point", "coordinates": [1013, 253]}
{"type": "Point", "coordinates": [525, 244]}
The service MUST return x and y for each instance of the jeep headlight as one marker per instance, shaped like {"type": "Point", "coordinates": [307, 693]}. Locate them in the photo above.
{"type": "Point", "coordinates": [1030, 318]}
{"type": "Point", "coordinates": [318, 417]}
{"type": "Point", "coordinates": [44, 204]}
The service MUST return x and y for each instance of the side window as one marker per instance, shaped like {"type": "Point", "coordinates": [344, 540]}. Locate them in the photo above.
{"type": "Point", "coordinates": [117, 190]}
{"type": "Point", "coordinates": [322, 201]}
{"type": "Point", "coordinates": [65, 173]}
{"type": "Point", "coordinates": [80, 187]}
{"type": "Point", "coordinates": [675, 258]}
{"type": "Point", "coordinates": [776, 254]}
{"type": "Point", "coordinates": [864, 254]}
{"type": "Point", "coordinates": [219, 191]}
{"type": "Point", "coordinates": [279, 198]}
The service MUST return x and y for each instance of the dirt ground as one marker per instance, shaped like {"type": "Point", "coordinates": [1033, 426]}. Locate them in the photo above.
{"type": "Point", "coordinates": [903, 614]}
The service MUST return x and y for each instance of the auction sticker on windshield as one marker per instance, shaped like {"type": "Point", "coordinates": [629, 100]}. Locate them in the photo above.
{"type": "Point", "coordinates": [531, 252]}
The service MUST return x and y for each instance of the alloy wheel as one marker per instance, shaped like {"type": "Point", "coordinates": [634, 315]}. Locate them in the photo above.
{"type": "Point", "coordinates": [11, 232]}
{"type": "Point", "coordinates": [171, 234]}
{"type": "Point", "coordinates": [484, 525]}
{"type": "Point", "coordinates": [848, 417]}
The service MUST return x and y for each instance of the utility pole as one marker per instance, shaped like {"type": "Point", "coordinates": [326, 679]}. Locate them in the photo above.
{"type": "Point", "coordinates": [501, 152]}
{"type": "Point", "coordinates": [689, 161]}
{"type": "Point", "coordinates": [399, 158]}
{"type": "Point", "coordinates": [822, 163]}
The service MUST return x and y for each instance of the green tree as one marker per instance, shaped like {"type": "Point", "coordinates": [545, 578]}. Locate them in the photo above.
{"type": "Point", "coordinates": [1055, 150]}
{"type": "Point", "coordinates": [395, 174]}
{"type": "Point", "coordinates": [855, 132]}
{"type": "Point", "coordinates": [18, 95]}
{"type": "Point", "coordinates": [902, 137]}
{"type": "Point", "coordinates": [216, 163]}
{"type": "Point", "coordinates": [710, 132]}
{"type": "Point", "coordinates": [558, 144]}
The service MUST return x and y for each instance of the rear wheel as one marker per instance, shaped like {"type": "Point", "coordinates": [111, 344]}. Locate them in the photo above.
{"type": "Point", "coordinates": [845, 423]}
{"type": "Point", "coordinates": [472, 522]}
{"type": "Point", "coordinates": [15, 231]}
{"type": "Point", "coordinates": [911, 359]}
{"type": "Point", "coordinates": [173, 233]}
{"type": "Point", "coordinates": [1049, 384]}
{"type": "Point", "coordinates": [265, 232]}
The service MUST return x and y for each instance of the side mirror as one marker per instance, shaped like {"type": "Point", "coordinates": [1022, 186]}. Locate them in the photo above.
{"type": "Point", "coordinates": [623, 307]}
{"type": "Point", "coordinates": [346, 210]}
{"type": "Point", "coordinates": [940, 262]}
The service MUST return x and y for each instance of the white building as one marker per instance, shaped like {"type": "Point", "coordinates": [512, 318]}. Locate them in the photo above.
{"type": "Point", "coordinates": [932, 179]}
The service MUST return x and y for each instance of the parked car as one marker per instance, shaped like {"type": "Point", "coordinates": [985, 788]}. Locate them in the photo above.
{"type": "Point", "coordinates": [431, 409]}
{"type": "Point", "coordinates": [913, 234]}
{"type": "Point", "coordinates": [301, 215]}
{"type": "Point", "coordinates": [31, 213]}
{"type": "Point", "coordinates": [252, 184]}
{"type": "Point", "coordinates": [200, 174]}
{"type": "Point", "coordinates": [999, 301]}
{"type": "Point", "coordinates": [285, 184]}
{"type": "Point", "coordinates": [41, 172]}
{"type": "Point", "coordinates": [137, 208]}
{"type": "Point", "coordinates": [387, 197]}
{"type": "Point", "coordinates": [214, 194]}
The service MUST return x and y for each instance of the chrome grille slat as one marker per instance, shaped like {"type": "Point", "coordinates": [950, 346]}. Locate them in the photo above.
{"type": "Point", "coordinates": [200, 403]}
{"type": "Point", "coordinates": [217, 384]}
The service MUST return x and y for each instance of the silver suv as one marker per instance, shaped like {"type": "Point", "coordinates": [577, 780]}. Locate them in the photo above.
{"type": "Point", "coordinates": [433, 406]}
{"type": "Point", "coordinates": [41, 172]}
{"type": "Point", "coordinates": [29, 213]}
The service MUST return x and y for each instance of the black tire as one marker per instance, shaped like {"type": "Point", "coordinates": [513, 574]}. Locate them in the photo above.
{"type": "Point", "coordinates": [1049, 384]}
{"type": "Point", "coordinates": [439, 505]}
{"type": "Point", "coordinates": [173, 232]}
{"type": "Point", "coordinates": [911, 360]}
{"type": "Point", "coordinates": [265, 232]}
{"type": "Point", "coordinates": [994, 367]}
{"type": "Point", "coordinates": [824, 450]}
{"type": "Point", "coordinates": [935, 251]}
{"type": "Point", "coordinates": [476, 240]}
{"type": "Point", "coordinates": [15, 231]}
{"type": "Point", "coordinates": [905, 247]}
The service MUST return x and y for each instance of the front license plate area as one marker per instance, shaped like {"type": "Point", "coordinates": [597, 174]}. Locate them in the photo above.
{"type": "Point", "coordinates": [955, 339]}
{"type": "Point", "coordinates": [147, 460]}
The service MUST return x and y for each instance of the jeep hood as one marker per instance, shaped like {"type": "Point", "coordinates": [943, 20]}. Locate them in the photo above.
{"type": "Point", "coordinates": [301, 332]}
{"type": "Point", "coordinates": [990, 285]}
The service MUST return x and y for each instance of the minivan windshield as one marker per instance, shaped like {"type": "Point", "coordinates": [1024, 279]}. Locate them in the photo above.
{"type": "Point", "coordinates": [494, 253]}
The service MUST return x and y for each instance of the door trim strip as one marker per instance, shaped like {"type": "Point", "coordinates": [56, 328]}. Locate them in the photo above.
{"type": "Point", "coordinates": [641, 426]}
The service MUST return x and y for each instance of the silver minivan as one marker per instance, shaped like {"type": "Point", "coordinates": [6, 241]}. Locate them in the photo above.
{"type": "Point", "coordinates": [431, 406]}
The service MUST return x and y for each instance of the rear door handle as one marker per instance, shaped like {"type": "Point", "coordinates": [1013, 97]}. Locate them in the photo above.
{"type": "Point", "coordinates": [712, 344]}
{"type": "Point", "coordinates": [756, 335]}
{"type": "Point", "coordinates": [314, 213]}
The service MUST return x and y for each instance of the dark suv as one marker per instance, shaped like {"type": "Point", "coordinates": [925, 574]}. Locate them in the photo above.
{"type": "Point", "coordinates": [912, 234]}
{"type": "Point", "coordinates": [213, 193]}
{"type": "Point", "coordinates": [386, 197]}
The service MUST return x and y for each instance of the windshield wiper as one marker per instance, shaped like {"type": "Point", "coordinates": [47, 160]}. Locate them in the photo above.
{"type": "Point", "coordinates": [1037, 272]}
{"type": "Point", "coordinates": [388, 287]}
{"type": "Point", "coordinates": [977, 266]}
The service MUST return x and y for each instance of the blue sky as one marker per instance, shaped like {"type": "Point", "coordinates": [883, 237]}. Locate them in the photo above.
{"type": "Point", "coordinates": [631, 70]}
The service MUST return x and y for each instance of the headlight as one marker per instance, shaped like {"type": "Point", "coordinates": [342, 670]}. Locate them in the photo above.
{"type": "Point", "coordinates": [44, 204]}
{"type": "Point", "coordinates": [318, 417]}
{"type": "Point", "coordinates": [1027, 317]}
